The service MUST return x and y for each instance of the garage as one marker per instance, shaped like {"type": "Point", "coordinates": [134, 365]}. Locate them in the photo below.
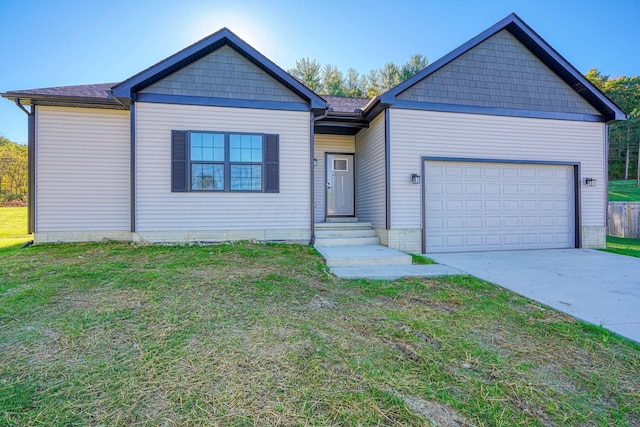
{"type": "Point", "coordinates": [486, 206]}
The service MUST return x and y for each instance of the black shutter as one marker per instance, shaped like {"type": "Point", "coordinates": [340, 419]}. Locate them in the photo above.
{"type": "Point", "coordinates": [272, 164]}
{"type": "Point", "coordinates": [179, 150]}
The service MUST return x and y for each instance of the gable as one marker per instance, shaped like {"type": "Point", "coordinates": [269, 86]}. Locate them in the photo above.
{"type": "Point", "coordinates": [499, 72]}
{"type": "Point", "coordinates": [223, 73]}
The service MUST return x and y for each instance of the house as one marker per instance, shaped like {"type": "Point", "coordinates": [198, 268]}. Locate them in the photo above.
{"type": "Point", "coordinates": [499, 145]}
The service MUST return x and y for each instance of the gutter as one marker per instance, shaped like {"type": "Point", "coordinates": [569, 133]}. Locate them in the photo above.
{"type": "Point", "coordinates": [370, 104]}
{"type": "Point", "coordinates": [115, 98]}
{"type": "Point", "coordinates": [312, 188]}
{"type": "Point", "coordinates": [63, 101]}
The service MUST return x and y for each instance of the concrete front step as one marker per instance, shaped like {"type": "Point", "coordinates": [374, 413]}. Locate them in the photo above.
{"type": "Point", "coordinates": [346, 241]}
{"type": "Point", "coordinates": [341, 225]}
{"type": "Point", "coordinates": [393, 272]}
{"type": "Point", "coordinates": [362, 256]}
{"type": "Point", "coordinates": [341, 219]}
{"type": "Point", "coordinates": [345, 234]}
{"type": "Point", "coordinates": [340, 232]}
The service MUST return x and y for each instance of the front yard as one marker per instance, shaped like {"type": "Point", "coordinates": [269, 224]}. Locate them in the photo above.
{"type": "Point", "coordinates": [244, 334]}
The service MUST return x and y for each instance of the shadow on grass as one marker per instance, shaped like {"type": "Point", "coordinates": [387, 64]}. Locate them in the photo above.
{"type": "Point", "coordinates": [8, 246]}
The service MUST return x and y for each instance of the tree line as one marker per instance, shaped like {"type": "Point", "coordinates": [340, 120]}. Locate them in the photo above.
{"type": "Point", "coordinates": [329, 80]}
{"type": "Point", "coordinates": [624, 137]}
{"type": "Point", "coordinates": [13, 171]}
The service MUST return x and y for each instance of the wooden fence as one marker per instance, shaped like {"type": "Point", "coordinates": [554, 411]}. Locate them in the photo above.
{"type": "Point", "coordinates": [624, 219]}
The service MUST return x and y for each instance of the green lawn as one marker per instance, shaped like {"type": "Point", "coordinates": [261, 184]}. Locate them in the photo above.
{"type": "Point", "coordinates": [624, 191]}
{"type": "Point", "coordinates": [253, 334]}
{"type": "Point", "coordinates": [619, 245]}
{"type": "Point", "coordinates": [13, 228]}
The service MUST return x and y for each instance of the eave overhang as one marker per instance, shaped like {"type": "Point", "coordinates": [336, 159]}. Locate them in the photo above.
{"type": "Point", "coordinates": [341, 124]}
{"type": "Point", "coordinates": [66, 101]}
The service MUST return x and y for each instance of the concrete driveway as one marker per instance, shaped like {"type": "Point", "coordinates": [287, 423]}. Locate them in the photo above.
{"type": "Point", "coordinates": [598, 287]}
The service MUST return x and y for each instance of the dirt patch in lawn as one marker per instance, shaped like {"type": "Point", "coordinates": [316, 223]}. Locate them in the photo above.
{"type": "Point", "coordinates": [103, 299]}
{"type": "Point", "coordinates": [438, 414]}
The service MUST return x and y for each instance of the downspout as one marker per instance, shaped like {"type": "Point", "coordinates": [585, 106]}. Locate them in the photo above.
{"type": "Point", "coordinates": [132, 160]}
{"type": "Point", "coordinates": [606, 178]}
{"type": "Point", "coordinates": [31, 163]}
{"type": "Point", "coordinates": [312, 168]}
{"type": "Point", "coordinates": [132, 166]}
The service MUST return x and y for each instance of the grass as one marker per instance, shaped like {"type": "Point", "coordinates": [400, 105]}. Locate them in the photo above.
{"type": "Point", "coordinates": [260, 334]}
{"type": "Point", "coordinates": [421, 260]}
{"type": "Point", "coordinates": [13, 228]}
{"type": "Point", "coordinates": [619, 245]}
{"type": "Point", "coordinates": [624, 191]}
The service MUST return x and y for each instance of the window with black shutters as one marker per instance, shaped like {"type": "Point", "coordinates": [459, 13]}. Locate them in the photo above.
{"type": "Point", "coordinates": [224, 161]}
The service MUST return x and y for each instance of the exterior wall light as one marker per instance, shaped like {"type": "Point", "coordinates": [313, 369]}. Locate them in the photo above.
{"type": "Point", "coordinates": [590, 182]}
{"type": "Point", "coordinates": [415, 178]}
{"type": "Point", "coordinates": [315, 162]}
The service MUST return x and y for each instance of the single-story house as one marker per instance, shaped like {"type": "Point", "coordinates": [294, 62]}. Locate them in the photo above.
{"type": "Point", "coordinates": [499, 145]}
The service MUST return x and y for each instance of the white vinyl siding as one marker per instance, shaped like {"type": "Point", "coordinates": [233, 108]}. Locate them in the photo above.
{"type": "Point", "coordinates": [370, 173]}
{"type": "Point", "coordinates": [159, 210]}
{"type": "Point", "coordinates": [455, 135]}
{"type": "Point", "coordinates": [327, 144]}
{"type": "Point", "coordinates": [82, 170]}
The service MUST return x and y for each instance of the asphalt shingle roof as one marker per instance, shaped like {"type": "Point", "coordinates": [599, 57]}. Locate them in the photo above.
{"type": "Point", "coordinates": [100, 90]}
{"type": "Point", "coordinates": [345, 104]}
{"type": "Point", "coordinates": [338, 104]}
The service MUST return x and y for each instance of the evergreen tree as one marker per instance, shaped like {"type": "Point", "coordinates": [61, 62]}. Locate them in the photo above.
{"type": "Point", "coordinates": [332, 83]}
{"type": "Point", "coordinates": [307, 72]}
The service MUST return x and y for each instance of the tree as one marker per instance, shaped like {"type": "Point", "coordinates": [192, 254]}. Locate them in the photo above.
{"type": "Point", "coordinates": [372, 86]}
{"type": "Point", "coordinates": [329, 80]}
{"type": "Point", "coordinates": [624, 137]}
{"type": "Point", "coordinates": [353, 84]}
{"type": "Point", "coordinates": [597, 78]}
{"type": "Point", "coordinates": [415, 64]}
{"type": "Point", "coordinates": [390, 75]}
{"type": "Point", "coordinates": [308, 73]}
{"type": "Point", "coordinates": [332, 82]}
{"type": "Point", "coordinates": [13, 171]}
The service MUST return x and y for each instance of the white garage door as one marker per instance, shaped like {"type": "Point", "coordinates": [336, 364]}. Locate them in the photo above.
{"type": "Point", "coordinates": [473, 206]}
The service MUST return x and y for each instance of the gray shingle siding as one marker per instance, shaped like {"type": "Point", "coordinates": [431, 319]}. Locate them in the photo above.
{"type": "Point", "coordinates": [499, 73]}
{"type": "Point", "coordinates": [224, 73]}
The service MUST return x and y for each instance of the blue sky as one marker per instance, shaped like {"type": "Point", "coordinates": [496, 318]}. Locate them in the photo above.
{"type": "Point", "coordinates": [57, 43]}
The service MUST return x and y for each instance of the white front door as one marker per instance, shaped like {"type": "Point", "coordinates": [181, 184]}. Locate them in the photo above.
{"type": "Point", "coordinates": [339, 184]}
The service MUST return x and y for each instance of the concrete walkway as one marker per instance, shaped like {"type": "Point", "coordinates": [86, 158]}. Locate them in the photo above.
{"type": "Point", "coordinates": [598, 287]}
{"type": "Point", "coordinates": [377, 262]}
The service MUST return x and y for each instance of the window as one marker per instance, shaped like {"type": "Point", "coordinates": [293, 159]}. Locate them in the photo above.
{"type": "Point", "coordinates": [222, 161]}
{"type": "Point", "coordinates": [339, 165]}
{"type": "Point", "coordinates": [206, 152]}
{"type": "Point", "coordinates": [245, 159]}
